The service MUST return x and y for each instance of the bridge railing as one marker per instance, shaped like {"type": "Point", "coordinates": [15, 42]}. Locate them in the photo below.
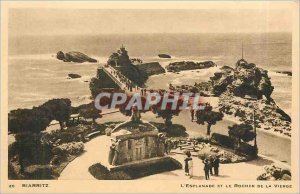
{"type": "Point", "coordinates": [114, 78]}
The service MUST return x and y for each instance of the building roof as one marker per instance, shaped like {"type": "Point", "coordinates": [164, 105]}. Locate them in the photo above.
{"type": "Point", "coordinates": [131, 129]}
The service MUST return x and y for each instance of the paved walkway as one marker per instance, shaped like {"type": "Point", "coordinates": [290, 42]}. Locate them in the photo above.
{"type": "Point", "coordinates": [96, 151]}
{"type": "Point", "coordinates": [239, 171]}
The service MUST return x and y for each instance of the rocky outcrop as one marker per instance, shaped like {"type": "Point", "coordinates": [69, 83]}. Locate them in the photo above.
{"type": "Point", "coordinates": [275, 173]}
{"type": "Point", "coordinates": [153, 68]}
{"type": "Point", "coordinates": [136, 61]}
{"type": "Point", "coordinates": [74, 56]}
{"type": "Point", "coordinates": [189, 65]}
{"type": "Point", "coordinates": [246, 88]}
{"type": "Point", "coordinates": [244, 80]}
{"type": "Point", "coordinates": [289, 73]}
{"type": "Point", "coordinates": [268, 116]}
{"type": "Point", "coordinates": [121, 61]}
{"type": "Point", "coordinates": [164, 56]}
{"type": "Point", "coordinates": [74, 75]}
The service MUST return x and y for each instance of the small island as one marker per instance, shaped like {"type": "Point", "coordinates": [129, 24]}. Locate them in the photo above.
{"type": "Point", "coordinates": [189, 65]}
{"type": "Point", "coordinates": [74, 56]}
{"type": "Point", "coordinates": [165, 56]}
{"type": "Point", "coordinates": [289, 73]}
{"type": "Point", "coordinates": [152, 68]}
{"type": "Point", "coordinates": [73, 76]}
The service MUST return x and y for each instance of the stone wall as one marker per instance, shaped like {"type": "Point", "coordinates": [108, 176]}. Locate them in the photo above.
{"type": "Point", "coordinates": [105, 81]}
{"type": "Point", "coordinates": [146, 146]}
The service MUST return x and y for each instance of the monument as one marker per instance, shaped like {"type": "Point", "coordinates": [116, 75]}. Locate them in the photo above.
{"type": "Point", "coordinates": [135, 140]}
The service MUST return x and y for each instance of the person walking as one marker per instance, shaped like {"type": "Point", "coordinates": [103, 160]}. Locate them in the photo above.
{"type": "Point", "coordinates": [206, 168]}
{"type": "Point", "coordinates": [116, 153]}
{"type": "Point", "coordinates": [186, 163]}
{"type": "Point", "coordinates": [191, 168]}
{"type": "Point", "coordinates": [216, 164]}
{"type": "Point", "coordinates": [192, 113]}
{"type": "Point", "coordinates": [211, 164]}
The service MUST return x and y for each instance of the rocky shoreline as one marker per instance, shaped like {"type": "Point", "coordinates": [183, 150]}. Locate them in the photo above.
{"type": "Point", "coordinates": [268, 116]}
{"type": "Point", "coordinates": [245, 93]}
{"type": "Point", "coordinates": [189, 65]}
{"type": "Point", "coordinates": [152, 68]}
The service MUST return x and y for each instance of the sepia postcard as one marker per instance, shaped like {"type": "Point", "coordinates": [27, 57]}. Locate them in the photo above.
{"type": "Point", "coordinates": [149, 96]}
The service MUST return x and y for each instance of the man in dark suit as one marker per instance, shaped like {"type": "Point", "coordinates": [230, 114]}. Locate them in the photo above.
{"type": "Point", "coordinates": [216, 164]}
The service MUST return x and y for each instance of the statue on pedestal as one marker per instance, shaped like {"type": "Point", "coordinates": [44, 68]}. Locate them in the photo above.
{"type": "Point", "coordinates": [136, 115]}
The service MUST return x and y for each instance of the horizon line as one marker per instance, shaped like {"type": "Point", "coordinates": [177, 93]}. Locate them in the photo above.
{"type": "Point", "coordinates": [148, 33]}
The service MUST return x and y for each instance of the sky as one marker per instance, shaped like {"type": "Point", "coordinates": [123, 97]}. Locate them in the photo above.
{"type": "Point", "coordinates": [96, 21]}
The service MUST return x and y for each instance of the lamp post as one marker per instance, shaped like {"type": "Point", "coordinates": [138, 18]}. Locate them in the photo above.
{"type": "Point", "coordinates": [255, 106]}
{"type": "Point", "coordinates": [254, 126]}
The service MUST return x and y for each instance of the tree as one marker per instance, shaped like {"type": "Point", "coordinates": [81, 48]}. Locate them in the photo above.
{"type": "Point", "coordinates": [207, 115]}
{"type": "Point", "coordinates": [89, 111]}
{"type": "Point", "coordinates": [168, 112]}
{"type": "Point", "coordinates": [241, 132]}
{"type": "Point", "coordinates": [27, 125]}
{"type": "Point", "coordinates": [58, 109]}
{"type": "Point", "coordinates": [28, 120]}
{"type": "Point", "coordinates": [165, 113]}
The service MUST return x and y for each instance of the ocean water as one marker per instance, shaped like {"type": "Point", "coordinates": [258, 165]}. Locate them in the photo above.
{"type": "Point", "coordinates": [35, 75]}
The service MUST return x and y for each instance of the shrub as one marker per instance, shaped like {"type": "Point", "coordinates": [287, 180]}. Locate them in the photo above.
{"type": "Point", "coordinates": [275, 173]}
{"type": "Point", "coordinates": [285, 171]}
{"type": "Point", "coordinates": [74, 148]}
{"type": "Point", "coordinates": [12, 150]}
{"type": "Point", "coordinates": [65, 136]}
{"type": "Point", "coordinates": [39, 172]}
{"type": "Point", "coordinates": [176, 130]}
{"type": "Point", "coordinates": [108, 131]}
{"type": "Point", "coordinates": [223, 140]}
{"type": "Point", "coordinates": [206, 155]}
{"type": "Point", "coordinates": [262, 177]}
{"type": "Point", "coordinates": [204, 139]}
{"type": "Point", "coordinates": [247, 149]}
{"type": "Point", "coordinates": [99, 171]}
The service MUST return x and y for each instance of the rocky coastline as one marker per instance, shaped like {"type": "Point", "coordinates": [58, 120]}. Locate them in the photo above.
{"type": "Point", "coordinates": [245, 92]}
{"type": "Point", "coordinates": [189, 65]}
{"type": "Point", "coordinates": [152, 68]}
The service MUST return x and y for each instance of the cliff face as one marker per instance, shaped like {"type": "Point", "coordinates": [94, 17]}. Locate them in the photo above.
{"type": "Point", "coordinates": [188, 65]}
{"type": "Point", "coordinates": [153, 68]}
{"type": "Point", "coordinates": [268, 115]}
{"type": "Point", "coordinates": [246, 88]}
{"type": "Point", "coordinates": [245, 79]}
{"type": "Point", "coordinates": [74, 56]}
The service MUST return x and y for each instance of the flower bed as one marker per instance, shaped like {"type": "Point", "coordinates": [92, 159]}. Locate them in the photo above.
{"type": "Point", "coordinates": [275, 173]}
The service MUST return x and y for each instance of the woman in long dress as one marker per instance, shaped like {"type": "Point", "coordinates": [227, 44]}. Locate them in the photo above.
{"type": "Point", "coordinates": [186, 163]}
{"type": "Point", "coordinates": [191, 167]}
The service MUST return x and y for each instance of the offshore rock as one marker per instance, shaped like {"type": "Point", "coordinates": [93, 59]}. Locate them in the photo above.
{"type": "Point", "coordinates": [74, 75]}
{"type": "Point", "coordinates": [164, 56]}
{"type": "Point", "coordinates": [121, 61]}
{"type": "Point", "coordinates": [153, 68]}
{"type": "Point", "coordinates": [189, 65]}
{"type": "Point", "coordinates": [74, 56]}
